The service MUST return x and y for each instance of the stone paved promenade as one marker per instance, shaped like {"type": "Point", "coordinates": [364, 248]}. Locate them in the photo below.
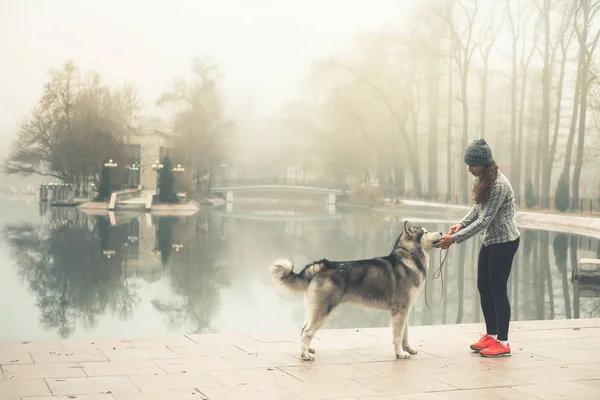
{"type": "Point", "coordinates": [551, 360]}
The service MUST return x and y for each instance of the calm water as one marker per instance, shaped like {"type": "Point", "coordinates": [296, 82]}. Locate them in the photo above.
{"type": "Point", "coordinates": [67, 274]}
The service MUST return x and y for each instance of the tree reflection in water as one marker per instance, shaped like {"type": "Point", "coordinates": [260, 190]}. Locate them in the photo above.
{"type": "Point", "coordinates": [540, 274]}
{"type": "Point", "coordinates": [72, 269]}
{"type": "Point", "coordinates": [79, 268]}
{"type": "Point", "coordinates": [193, 256]}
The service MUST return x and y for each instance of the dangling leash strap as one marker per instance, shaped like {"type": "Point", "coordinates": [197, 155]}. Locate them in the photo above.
{"type": "Point", "coordinates": [438, 273]}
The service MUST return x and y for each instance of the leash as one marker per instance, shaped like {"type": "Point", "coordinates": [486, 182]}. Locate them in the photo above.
{"type": "Point", "coordinates": [438, 273]}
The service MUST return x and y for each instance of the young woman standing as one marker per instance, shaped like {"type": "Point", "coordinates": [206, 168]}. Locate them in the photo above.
{"type": "Point", "coordinates": [493, 214]}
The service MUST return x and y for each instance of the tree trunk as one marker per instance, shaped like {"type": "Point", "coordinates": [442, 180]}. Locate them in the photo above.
{"type": "Point", "coordinates": [538, 167]}
{"type": "Point", "coordinates": [566, 171]}
{"type": "Point", "coordinates": [396, 170]}
{"type": "Point", "coordinates": [557, 113]}
{"type": "Point", "coordinates": [433, 93]}
{"type": "Point", "coordinates": [518, 183]}
{"type": "Point", "coordinates": [581, 136]}
{"type": "Point", "coordinates": [531, 172]}
{"type": "Point", "coordinates": [565, 41]}
{"type": "Point", "coordinates": [414, 122]}
{"type": "Point", "coordinates": [588, 11]}
{"type": "Point", "coordinates": [399, 122]}
{"type": "Point", "coordinates": [513, 116]}
{"type": "Point", "coordinates": [383, 176]}
{"type": "Point", "coordinates": [465, 127]}
{"type": "Point", "coordinates": [415, 168]}
{"type": "Point", "coordinates": [449, 133]}
{"type": "Point", "coordinates": [484, 85]}
{"type": "Point", "coordinates": [545, 123]}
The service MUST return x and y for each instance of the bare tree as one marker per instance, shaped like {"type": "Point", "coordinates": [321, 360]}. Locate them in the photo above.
{"type": "Point", "coordinates": [489, 34]}
{"type": "Point", "coordinates": [526, 56]}
{"type": "Point", "coordinates": [519, 15]}
{"type": "Point", "coordinates": [76, 126]}
{"type": "Point", "coordinates": [460, 17]}
{"type": "Point", "coordinates": [566, 170]}
{"type": "Point", "coordinates": [201, 130]}
{"type": "Point", "coordinates": [587, 45]}
{"type": "Point", "coordinates": [425, 44]}
{"type": "Point", "coordinates": [399, 115]}
{"type": "Point", "coordinates": [542, 153]}
{"type": "Point", "coordinates": [438, 11]}
{"type": "Point", "coordinates": [564, 36]}
{"type": "Point", "coordinates": [433, 90]}
{"type": "Point", "coordinates": [449, 168]}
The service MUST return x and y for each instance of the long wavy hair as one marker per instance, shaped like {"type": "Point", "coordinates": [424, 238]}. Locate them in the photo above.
{"type": "Point", "coordinates": [484, 182]}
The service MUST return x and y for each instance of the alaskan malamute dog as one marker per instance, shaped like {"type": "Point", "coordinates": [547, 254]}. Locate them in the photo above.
{"type": "Point", "coordinates": [389, 283]}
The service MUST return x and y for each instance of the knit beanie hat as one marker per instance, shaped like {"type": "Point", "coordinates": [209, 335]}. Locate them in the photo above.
{"type": "Point", "coordinates": [478, 153]}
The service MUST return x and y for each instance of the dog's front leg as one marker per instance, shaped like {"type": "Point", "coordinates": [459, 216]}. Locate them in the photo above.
{"type": "Point", "coordinates": [399, 318]}
{"type": "Point", "coordinates": [405, 346]}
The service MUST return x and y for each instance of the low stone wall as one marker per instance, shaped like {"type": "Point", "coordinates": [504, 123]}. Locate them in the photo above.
{"type": "Point", "coordinates": [114, 198]}
{"type": "Point", "coordinates": [120, 196]}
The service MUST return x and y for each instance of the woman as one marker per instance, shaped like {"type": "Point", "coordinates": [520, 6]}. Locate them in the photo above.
{"type": "Point", "coordinates": [493, 214]}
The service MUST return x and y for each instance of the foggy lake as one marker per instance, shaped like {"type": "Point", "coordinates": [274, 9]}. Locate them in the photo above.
{"type": "Point", "coordinates": [71, 275]}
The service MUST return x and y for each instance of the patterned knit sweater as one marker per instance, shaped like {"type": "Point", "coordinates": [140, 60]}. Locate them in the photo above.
{"type": "Point", "coordinates": [495, 219]}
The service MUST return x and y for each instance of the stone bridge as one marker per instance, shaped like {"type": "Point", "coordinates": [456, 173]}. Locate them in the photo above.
{"type": "Point", "coordinates": [230, 186]}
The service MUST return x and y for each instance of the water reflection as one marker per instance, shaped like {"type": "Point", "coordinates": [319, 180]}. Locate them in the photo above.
{"type": "Point", "coordinates": [196, 271]}
{"type": "Point", "coordinates": [69, 267]}
{"type": "Point", "coordinates": [208, 273]}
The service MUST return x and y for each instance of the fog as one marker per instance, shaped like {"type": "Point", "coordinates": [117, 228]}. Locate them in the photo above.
{"type": "Point", "coordinates": [263, 46]}
{"type": "Point", "coordinates": [379, 94]}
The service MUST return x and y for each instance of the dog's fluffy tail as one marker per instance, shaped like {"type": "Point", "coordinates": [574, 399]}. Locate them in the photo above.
{"type": "Point", "coordinates": [283, 273]}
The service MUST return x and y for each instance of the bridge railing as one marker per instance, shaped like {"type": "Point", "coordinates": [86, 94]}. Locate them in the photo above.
{"type": "Point", "coordinates": [280, 182]}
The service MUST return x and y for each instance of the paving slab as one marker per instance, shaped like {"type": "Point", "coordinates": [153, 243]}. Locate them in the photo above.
{"type": "Point", "coordinates": [557, 359]}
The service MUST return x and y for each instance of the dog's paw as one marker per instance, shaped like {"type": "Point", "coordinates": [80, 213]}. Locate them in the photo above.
{"type": "Point", "coordinates": [312, 351]}
{"type": "Point", "coordinates": [307, 356]}
{"type": "Point", "coordinates": [402, 354]}
{"type": "Point", "coordinates": [410, 350]}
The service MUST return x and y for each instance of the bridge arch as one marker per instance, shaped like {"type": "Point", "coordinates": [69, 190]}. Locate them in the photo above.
{"type": "Point", "coordinates": [230, 186]}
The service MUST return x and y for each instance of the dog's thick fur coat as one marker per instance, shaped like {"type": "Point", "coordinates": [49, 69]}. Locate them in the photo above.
{"type": "Point", "coordinates": [389, 283]}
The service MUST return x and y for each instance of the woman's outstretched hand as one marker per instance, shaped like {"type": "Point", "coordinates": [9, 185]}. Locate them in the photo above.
{"type": "Point", "coordinates": [455, 228]}
{"type": "Point", "coordinates": [445, 242]}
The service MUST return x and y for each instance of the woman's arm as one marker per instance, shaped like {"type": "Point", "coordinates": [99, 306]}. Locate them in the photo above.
{"type": "Point", "coordinates": [495, 199]}
{"type": "Point", "coordinates": [470, 217]}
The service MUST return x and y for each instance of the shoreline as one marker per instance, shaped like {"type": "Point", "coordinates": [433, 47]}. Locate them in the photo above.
{"type": "Point", "coordinates": [581, 225]}
{"type": "Point", "coordinates": [566, 223]}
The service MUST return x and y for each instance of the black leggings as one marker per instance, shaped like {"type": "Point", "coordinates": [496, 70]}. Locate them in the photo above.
{"type": "Point", "coordinates": [493, 270]}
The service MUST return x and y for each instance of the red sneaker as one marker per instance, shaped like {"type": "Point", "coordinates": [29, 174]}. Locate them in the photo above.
{"type": "Point", "coordinates": [485, 342]}
{"type": "Point", "coordinates": [496, 350]}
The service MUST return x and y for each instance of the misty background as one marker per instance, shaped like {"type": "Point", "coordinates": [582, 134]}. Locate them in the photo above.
{"type": "Point", "coordinates": [377, 97]}
{"type": "Point", "coordinates": [382, 94]}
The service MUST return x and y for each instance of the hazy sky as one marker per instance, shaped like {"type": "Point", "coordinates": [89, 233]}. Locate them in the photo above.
{"type": "Point", "coordinates": [263, 46]}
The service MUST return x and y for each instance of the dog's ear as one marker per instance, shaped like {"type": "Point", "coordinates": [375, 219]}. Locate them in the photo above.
{"type": "Point", "coordinates": [408, 228]}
